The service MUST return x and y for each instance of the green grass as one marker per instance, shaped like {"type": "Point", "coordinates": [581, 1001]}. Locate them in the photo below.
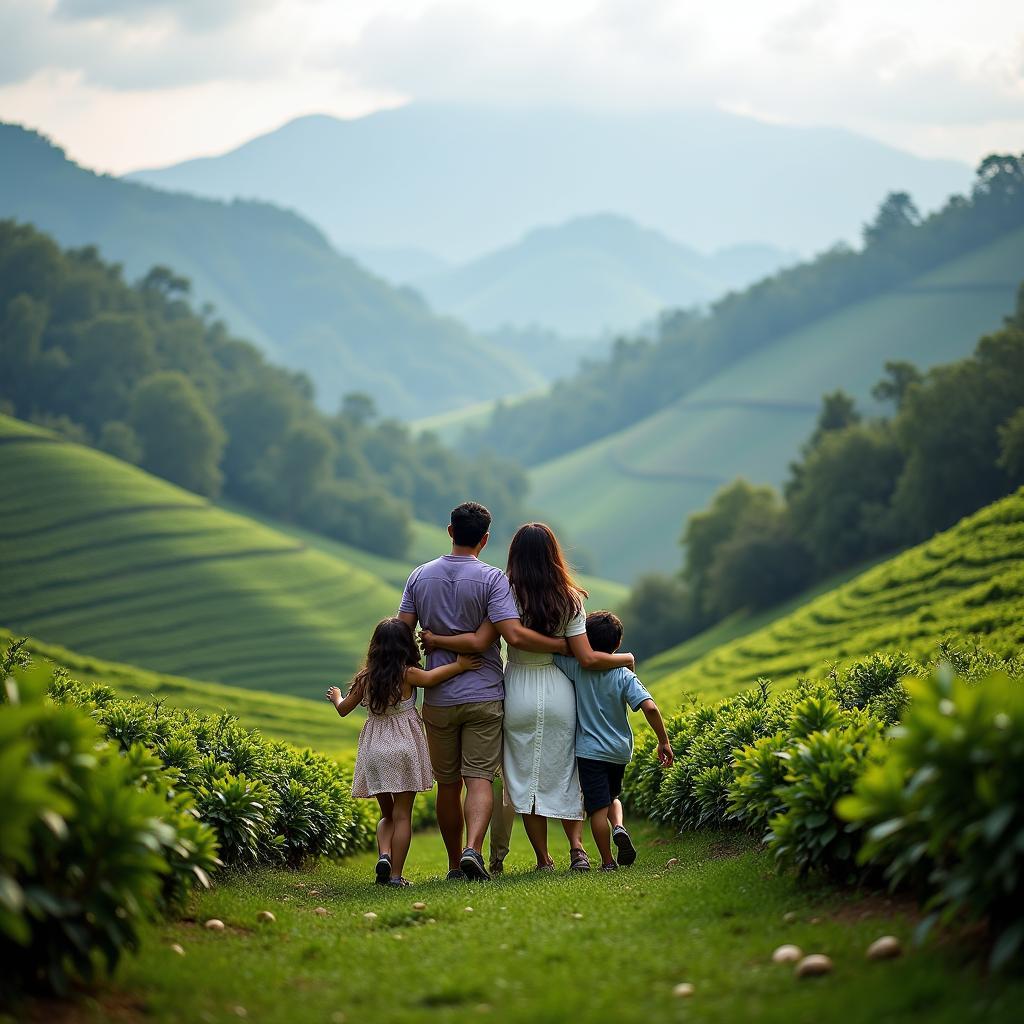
{"type": "Point", "coordinates": [522, 956]}
{"type": "Point", "coordinates": [625, 498]}
{"type": "Point", "coordinates": [965, 582]}
{"type": "Point", "coordinates": [293, 719]}
{"type": "Point", "coordinates": [104, 558]}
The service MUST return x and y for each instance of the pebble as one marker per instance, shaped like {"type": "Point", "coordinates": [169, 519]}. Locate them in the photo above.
{"type": "Point", "coordinates": [337, 1017]}
{"type": "Point", "coordinates": [885, 948]}
{"type": "Point", "coordinates": [431, 920]}
{"type": "Point", "coordinates": [787, 954]}
{"type": "Point", "coordinates": [265, 917]}
{"type": "Point", "coordinates": [790, 916]}
{"type": "Point", "coordinates": [370, 916]}
{"type": "Point", "coordinates": [814, 920]}
{"type": "Point", "coordinates": [814, 965]}
{"type": "Point", "coordinates": [240, 1011]}
{"type": "Point", "coordinates": [419, 906]}
{"type": "Point", "coordinates": [468, 910]}
{"type": "Point", "coordinates": [672, 862]}
{"type": "Point", "coordinates": [320, 911]}
{"type": "Point", "coordinates": [176, 948]}
{"type": "Point", "coordinates": [314, 892]}
{"type": "Point", "coordinates": [579, 917]}
{"type": "Point", "coordinates": [214, 925]}
{"type": "Point", "coordinates": [683, 990]}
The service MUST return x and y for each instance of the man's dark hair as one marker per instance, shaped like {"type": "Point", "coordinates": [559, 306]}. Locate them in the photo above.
{"type": "Point", "coordinates": [604, 631]}
{"type": "Point", "coordinates": [470, 521]}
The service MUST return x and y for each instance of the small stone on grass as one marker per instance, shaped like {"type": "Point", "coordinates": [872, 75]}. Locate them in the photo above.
{"type": "Point", "coordinates": [419, 905]}
{"type": "Point", "coordinates": [467, 910]}
{"type": "Point", "coordinates": [683, 990]}
{"type": "Point", "coordinates": [214, 925]}
{"type": "Point", "coordinates": [814, 966]}
{"type": "Point", "coordinates": [787, 954]}
{"type": "Point", "coordinates": [885, 948]}
{"type": "Point", "coordinates": [177, 948]}
{"type": "Point", "coordinates": [672, 862]}
{"type": "Point", "coordinates": [266, 917]}
{"type": "Point", "coordinates": [320, 911]}
{"type": "Point", "coordinates": [370, 916]}
{"type": "Point", "coordinates": [790, 917]}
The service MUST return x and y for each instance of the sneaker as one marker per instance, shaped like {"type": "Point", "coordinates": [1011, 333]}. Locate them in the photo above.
{"type": "Point", "coordinates": [610, 866]}
{"type": "Point", "coordinates": [627, 851]}
{"type": "Point", "coordinates": [455, 875]}
{"type": "Point", "coordinates": [496, 867]}
{"type": "Point", "coordinates": [383, 869]}
{"type": "Point", "coordinates": [472, 865]}
{"type": "Point", "coordinates": [400, 882]}
{"type": "Point", "coordinates": [578, 860]}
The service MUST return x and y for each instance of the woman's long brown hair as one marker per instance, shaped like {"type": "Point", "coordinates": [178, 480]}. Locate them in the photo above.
{"type": "Point", "coordinates": [548, 596]}
{"type": "Point", "coordinates": [392, 650]}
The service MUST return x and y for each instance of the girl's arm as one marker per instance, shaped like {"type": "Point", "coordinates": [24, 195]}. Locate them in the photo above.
{"type": "Point", "coordinates": [416, 676]}
{"type": "Point", "coordinates": [597, 660]}
{"type": "Point", "coordinates": [513, 631]}
{"type": "Point", "coordinates": [345, 704]}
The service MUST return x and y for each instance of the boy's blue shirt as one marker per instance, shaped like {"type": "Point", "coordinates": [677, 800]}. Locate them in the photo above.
{"type": "Point", "coordinates": [602, 725]}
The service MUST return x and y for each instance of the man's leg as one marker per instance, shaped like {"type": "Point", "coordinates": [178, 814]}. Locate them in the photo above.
{"type": "Point", "coordinates": [502, 819]}
{"type": "Point", "coordinates": [481, 761]}
{"type": "Point", "coordinates": [450, 820]}
{"type": "Point", "coordinates": [479, 804]}
{"type": "Point", "coordinates": [444, 743]}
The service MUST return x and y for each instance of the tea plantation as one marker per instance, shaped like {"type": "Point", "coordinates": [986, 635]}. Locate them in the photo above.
{"type": "Point", "coordinates": [102, 557]}
{"type": "Point", "coordinates": [967, 581]}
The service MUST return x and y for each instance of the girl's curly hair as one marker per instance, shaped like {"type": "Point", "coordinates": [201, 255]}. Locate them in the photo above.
{"type": "Point", "coordinates": [392, 650]}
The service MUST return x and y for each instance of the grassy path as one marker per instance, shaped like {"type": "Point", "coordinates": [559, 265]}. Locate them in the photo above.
{"type": "Point", "coordinates": [546, 948]}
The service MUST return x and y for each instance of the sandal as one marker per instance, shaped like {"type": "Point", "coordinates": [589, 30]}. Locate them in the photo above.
{"type": "Point", "coordinates": [578, 860]}
{"type": "Point", "coordinates": [400, 882]}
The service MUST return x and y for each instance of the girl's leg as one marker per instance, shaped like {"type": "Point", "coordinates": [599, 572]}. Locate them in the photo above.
{"type": "Point", "coordinates": [402, 836]}
{"type": "Point", "coordinates": [602, 834]}
{"type": "Point", "coordinates": [536, 826]}
{"type": "Point", "coordinates": [386, 825]}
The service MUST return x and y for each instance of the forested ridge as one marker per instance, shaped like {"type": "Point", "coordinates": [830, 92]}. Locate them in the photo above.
{"type": "Point", "coordinates": [134, 370]}
{"type": "Point", "coordinates": [644, 374]}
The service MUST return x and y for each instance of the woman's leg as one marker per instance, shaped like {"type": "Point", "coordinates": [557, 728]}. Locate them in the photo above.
{"type": "Point", "coordinates": [536, 826]}
{"type": "Point", "coordinates": [402, 817]}
{"type": "Point", "coordinates": [386, 825]}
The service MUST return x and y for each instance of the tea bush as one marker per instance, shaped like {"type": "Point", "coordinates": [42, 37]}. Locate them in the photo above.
{"type": "Point", "coordinates": [93, 842]}
{"type": "Point", "coordinates": [945, 808]}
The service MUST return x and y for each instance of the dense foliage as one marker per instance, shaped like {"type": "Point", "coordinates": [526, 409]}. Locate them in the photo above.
{"type": "Point", "coordinates": [938, 799]}
{"type": "Point", "coordinates": [689, 347]}
{"type": "Point", "coordinates": [134, 370]}
{"type": "Point", "coordinates": [859, 488]}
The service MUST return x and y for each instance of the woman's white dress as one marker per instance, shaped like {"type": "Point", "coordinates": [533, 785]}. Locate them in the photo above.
{"type": "Point", "coordinates": [540, 734]}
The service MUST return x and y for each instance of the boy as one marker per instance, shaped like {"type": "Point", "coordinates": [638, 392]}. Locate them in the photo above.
{"type": "Point", "coordinates": [604, 741]}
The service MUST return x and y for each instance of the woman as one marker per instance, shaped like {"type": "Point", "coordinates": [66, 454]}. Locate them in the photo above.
{"type": "Point", "coordinates": [540, 775]}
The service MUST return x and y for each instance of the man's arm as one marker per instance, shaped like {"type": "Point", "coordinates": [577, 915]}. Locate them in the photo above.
{"type": "Point", "coordinates": [657, 723]}
{"type": "Point", "coordinates": [409, 618]}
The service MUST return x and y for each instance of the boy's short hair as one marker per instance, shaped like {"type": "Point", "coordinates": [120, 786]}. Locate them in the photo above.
{"type": "Point", "coordinates": [604, 631]}
{"type": "Point", "coordinates": [470, 521]}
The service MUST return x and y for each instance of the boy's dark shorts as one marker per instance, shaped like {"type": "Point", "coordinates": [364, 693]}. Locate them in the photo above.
{"type": "Point", "coordinates": [601, 782]}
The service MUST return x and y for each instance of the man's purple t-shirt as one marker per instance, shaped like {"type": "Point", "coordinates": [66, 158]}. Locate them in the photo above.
{"type": "Point", "coordinates": [454, 594]}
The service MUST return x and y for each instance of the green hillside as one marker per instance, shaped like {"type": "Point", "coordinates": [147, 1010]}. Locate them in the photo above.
{"type": "Point", "coordinates": [967, 581]}
{"type": "Point", "coordinates": [106, 559]}
{"type": "Point", "coordinates": [625, 497]}
{"type": "Point", "coordinates": [271, 275]}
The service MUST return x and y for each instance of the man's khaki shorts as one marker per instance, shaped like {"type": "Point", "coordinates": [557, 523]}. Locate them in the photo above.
{"type": "Point", "coordinates": [465, 740]}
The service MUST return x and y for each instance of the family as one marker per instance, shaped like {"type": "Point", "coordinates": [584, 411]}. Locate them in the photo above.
{"type": "Point", "coordinates": [552, 722]}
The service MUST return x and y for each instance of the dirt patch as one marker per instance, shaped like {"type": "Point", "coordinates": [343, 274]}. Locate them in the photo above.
{"type": "Point", "coordinates": [115, 1007]}
{"type": "Point", "coordinates": [867, 905]}
{"type": "Point", "coordinates": [731, 846]}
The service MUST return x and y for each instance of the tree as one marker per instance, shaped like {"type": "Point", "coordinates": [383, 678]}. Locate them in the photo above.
{"type": "Point", "coordinates": [1011, 447]}
{"type": "Point", "coordinates": [657, 614]}
{"type": "Point", "coordinates": [119, 440]}
{"type": "Point", "coordinates": [899, 377]}
{"type": "Point", "coordinates": [838, 411]}
{"type": "Point", "coordinates": [299, 465]}
{"type": "Point", "coordinates": [895, 217]}
{"type": "Point", "coordinates": [181, 439]}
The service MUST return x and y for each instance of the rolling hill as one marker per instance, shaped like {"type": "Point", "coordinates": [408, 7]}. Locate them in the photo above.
{"type": "Point", "coordinates": [625, 498]}
{"type": "Point", "coordinates": [107, 560]}
{"type": "Point", "coordinates": [272, 276]}
{"type": "Point", "coordinates": [965, 582]}
{"type": "Point", "coordinates": [589, 276]}
{"type": "Point", "coordinates": [460, 180]}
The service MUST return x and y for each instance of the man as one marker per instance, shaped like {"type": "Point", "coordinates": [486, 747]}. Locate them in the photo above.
{"type": "Point", "coordinates": [463, 717]}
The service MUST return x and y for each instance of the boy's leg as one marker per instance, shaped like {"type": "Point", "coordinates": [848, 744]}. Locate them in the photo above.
{"type": "Point", "coordinates": [402, 816]}
{"type": "Point", "coordinates": [615, 813]}
{"type": "Point", "coordinates": [602, 834]}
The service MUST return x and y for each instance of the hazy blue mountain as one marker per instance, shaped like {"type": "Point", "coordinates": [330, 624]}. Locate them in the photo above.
{"type": "Point", "coordinates": [399, 266]}
{"type": "Point", "coordinates": [460, 181]}
{"type": "Point", "coordinates": [273, 277]}
{"type": "Point", "coordinates": [590, 276]}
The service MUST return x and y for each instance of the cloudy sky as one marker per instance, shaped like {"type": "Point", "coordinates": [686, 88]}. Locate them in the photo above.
{"type": "Point", "coordinates": [124, 84]}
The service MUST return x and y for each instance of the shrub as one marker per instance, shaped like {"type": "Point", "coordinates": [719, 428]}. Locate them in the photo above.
{"type": "Point", "coordinates": [946, 807]}
{"type": "Point", "coordinates": [92, 843]}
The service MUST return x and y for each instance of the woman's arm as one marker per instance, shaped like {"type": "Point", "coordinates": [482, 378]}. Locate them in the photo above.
{"type": "Point", "coordinates": [461, 643]}
{"type": "Point", "coordinates": [581, 650]}
{"type": "Point", "coordinates": [345, 704]}
{"type": "Point", "coordinates": [416, 676]}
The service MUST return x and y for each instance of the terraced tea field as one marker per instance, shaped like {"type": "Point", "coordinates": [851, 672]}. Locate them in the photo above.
{"type": "Point", "coordinates": [967, 581]}
{"type": "Point", "coordinates": [625, 498]}
{"type": "Point", "coordinates": [106, 559]}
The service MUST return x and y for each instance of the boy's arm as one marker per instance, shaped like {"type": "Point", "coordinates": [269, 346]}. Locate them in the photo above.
{"type": "Point", "coordinates": [656, 722]}
{"type": "Point", "coordinates": [344, 705]}
{"type": "Point", "coordinates": [431, 677]}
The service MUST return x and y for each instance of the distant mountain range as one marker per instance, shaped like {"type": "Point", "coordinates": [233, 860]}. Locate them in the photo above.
{"type": "Point", "coordinates": [272, 276]}
{"type": "Point", "coordinates": [590, 276]}
{"type": "Point", "coordinates": [461, 181]}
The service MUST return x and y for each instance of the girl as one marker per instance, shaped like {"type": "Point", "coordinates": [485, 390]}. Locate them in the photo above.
{"type": "Point", "coordinates": [541, 779]}
{"type": "Point", "coordinates": [392, 763]}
